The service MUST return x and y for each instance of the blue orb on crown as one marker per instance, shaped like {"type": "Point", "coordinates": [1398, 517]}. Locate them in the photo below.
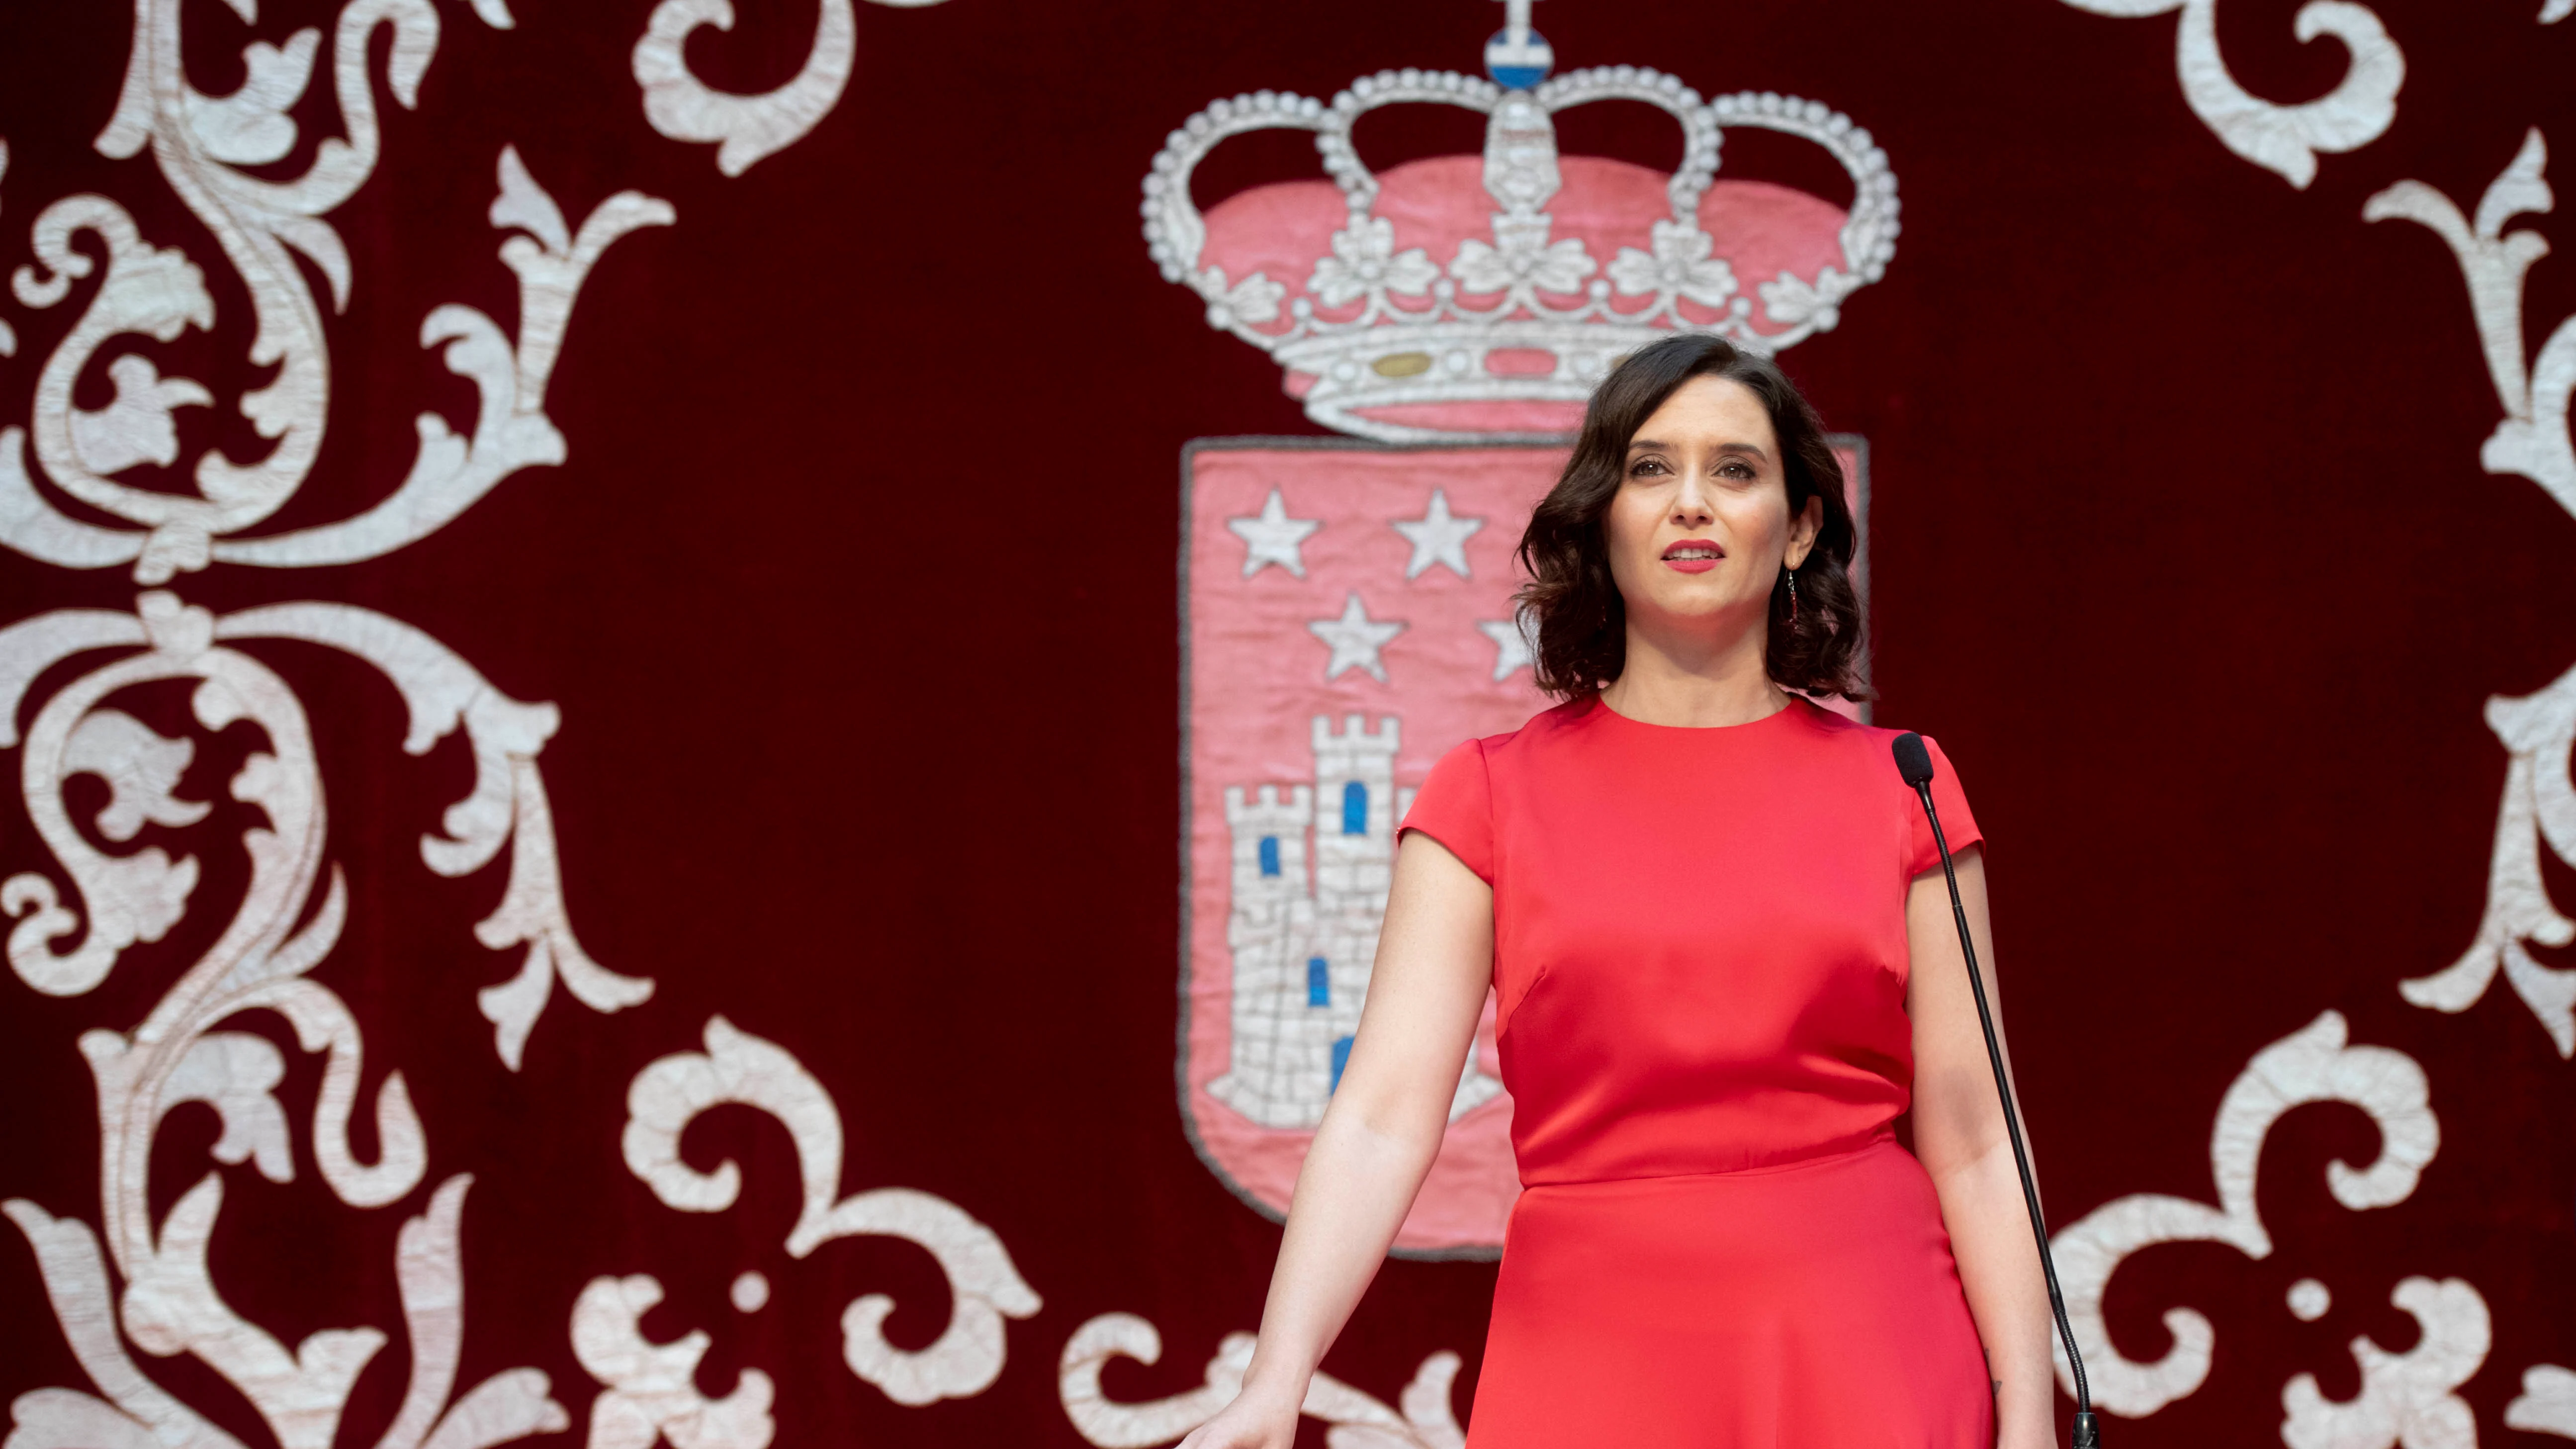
{"type": "Point", "coordinates": [1518, 58]}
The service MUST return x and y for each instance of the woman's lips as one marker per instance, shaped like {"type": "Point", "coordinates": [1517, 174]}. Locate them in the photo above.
{"type": "Point", "coordinates": [1693, 555]}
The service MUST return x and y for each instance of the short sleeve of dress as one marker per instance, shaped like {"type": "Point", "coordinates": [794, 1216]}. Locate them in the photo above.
{"type": "Point", "coordinates": [1456, 807]}
{"type": "Point", "coordinates": [1957, 824]}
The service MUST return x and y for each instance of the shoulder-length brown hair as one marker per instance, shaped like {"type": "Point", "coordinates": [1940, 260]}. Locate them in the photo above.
{"type": "Point", "coordinates": [1580, 620]}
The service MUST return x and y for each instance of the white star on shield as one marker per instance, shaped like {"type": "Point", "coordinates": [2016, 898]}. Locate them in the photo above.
{"type": "Point", "coordinates": [1511, 646]}
{"type": "Point", "coordinates": [1273, 537]}
{"type": "Point", "coordinates": [1438, 537]}
{"type": "Point", "coordinates": [1355, 639]}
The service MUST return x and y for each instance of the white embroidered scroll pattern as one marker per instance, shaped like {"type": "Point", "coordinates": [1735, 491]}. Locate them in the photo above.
{"type": "Point", "coordinates": [2285, 139]}
{"type": "Point", "coordinates": [685, 108]}
{"type": "Point", "coordinates": [202, 145]}
{"type": "Point", "coordinates": [2313, 1064]}
{"type": "Point", "coordinates": [129, 874]}
{"type": "Point", "coordinates": [261, 963]}
{"type": "Point", "coordinates": [985, 1288]}
{"type": "Point", "coordinates": [2538, 730]}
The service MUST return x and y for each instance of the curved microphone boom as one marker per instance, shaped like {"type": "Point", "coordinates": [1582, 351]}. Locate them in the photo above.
{"type": "Point", "coordinates": [1914, 763]}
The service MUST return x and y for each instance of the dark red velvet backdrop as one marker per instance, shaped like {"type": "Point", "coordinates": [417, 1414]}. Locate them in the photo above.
{"type": "Point", "coordinates": [856, 595]}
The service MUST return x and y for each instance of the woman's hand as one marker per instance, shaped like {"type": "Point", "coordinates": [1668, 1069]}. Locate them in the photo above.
{"type": "Point", "coordinates": [1254, 1420]}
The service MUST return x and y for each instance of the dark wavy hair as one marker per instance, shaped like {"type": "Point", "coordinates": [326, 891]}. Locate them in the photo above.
{"type": "Point", "coordinates": [1580, 620]}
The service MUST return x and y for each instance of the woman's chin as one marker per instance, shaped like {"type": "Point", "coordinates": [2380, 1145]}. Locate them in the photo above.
{"type": "Point", "coordinates": [1702, 608]}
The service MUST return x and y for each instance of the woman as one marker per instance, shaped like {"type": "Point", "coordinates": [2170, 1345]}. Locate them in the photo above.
{"type": "Point", "coordinates": [1715, 922]}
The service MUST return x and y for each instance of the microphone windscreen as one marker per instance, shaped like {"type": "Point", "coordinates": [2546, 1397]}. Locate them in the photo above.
{"type": "Point", "coordinates": [1912, 760]}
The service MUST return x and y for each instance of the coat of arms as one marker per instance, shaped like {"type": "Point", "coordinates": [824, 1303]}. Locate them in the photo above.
{"type": "Point", "coordinates": [1346, 601]}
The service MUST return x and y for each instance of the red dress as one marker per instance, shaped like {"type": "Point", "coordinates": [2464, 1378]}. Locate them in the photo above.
{"type": "Point", "coordinates": [1700, 960]}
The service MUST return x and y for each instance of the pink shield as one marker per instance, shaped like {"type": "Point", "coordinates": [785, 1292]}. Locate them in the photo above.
{"type": "Point", "coordinates": [1347, 619]}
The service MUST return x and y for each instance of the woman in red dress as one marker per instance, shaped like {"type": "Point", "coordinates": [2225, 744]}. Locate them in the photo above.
{"type": "Point", "coordinates": [1714, 921]}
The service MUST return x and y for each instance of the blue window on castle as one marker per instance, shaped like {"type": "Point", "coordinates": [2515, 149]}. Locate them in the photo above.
{"type": "Point", "coordinates": [1341, 1059]}
{"type": "Point", "coordinates": [1355, 808]}
{"type": "Point", "coordinates": [1319, 986]}
{"type": "Point", "coordinates": [1270, 855]}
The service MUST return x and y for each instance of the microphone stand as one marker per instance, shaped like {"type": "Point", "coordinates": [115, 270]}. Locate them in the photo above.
{"type": "Point", "coordinates": [1914, 763]}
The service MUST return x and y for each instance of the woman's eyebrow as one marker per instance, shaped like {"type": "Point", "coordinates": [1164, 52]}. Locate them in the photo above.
{"type": "Point", "coordinates": [1753, 448]}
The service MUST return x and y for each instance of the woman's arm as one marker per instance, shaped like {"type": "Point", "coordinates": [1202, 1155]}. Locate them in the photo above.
{"type": "Point", "coordinates": [1435, 959]}
{"type": "Point", "coordinates": [1959, 1135]}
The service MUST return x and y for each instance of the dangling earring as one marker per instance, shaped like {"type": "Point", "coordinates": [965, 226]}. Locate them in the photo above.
{"type": "Point", "coordinates": [1792, 576]}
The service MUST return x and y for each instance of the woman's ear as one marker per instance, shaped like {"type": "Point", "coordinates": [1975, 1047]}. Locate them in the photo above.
{"type": "Point", "coordinates": [1804, 528]}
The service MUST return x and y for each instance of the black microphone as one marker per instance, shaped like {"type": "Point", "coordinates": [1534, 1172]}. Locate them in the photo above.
{"type": "Point", "coordinates": [1914, 764]}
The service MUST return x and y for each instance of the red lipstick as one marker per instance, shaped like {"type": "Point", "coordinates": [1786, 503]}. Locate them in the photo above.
{"type": "Point", "coordinates": [1693, 555]}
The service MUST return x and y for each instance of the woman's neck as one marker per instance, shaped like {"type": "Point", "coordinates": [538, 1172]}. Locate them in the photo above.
{"type": "Point", "coordinates": [1694, 683]}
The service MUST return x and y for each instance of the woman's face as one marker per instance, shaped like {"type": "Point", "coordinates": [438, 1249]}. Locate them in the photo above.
{"type": "Point", "coordinates": [1700, 527]}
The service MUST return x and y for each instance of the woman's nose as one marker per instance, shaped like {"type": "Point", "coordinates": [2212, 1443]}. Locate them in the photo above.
{"type": "Point", "coordinates": [1691, 506]}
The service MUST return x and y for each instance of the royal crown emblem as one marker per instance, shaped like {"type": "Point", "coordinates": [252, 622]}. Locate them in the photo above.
{"type": "Point", "coordinates": [1460, 297]}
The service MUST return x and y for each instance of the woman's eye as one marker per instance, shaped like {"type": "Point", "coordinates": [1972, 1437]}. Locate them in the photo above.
{"type": "Point", "coordinates": [1644, 467]}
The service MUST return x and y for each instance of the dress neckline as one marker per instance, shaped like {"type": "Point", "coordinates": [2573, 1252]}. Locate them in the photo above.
{"type": "Point", "coordinates": [1602, 708]}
